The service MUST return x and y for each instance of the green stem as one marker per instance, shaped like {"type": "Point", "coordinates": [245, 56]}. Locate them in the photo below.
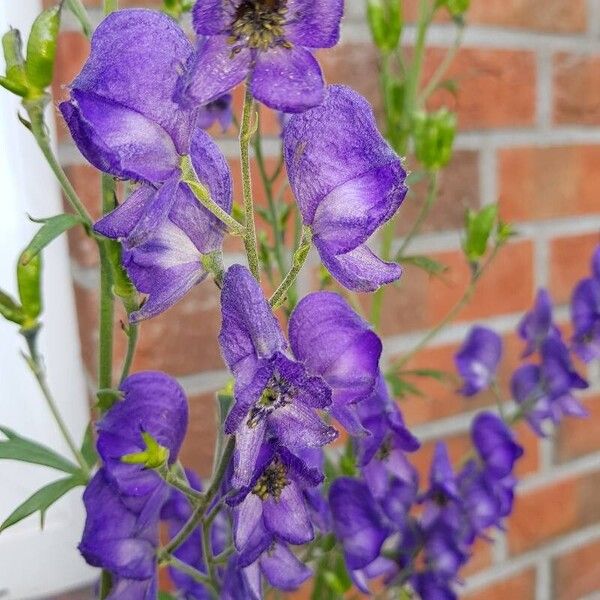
{"type": "Point", "coordinates": [35, 364]}
{"type": "Point", "coordinates": [452, 313]}
{"type": "Point", "coordinates": [80, 12]}
{"type": "Point", "coordinates": [40, 132]}
{"type": "Point", "coordinates": [193, 573]}
{"type": "Point", "coordinates": [203, 505]}
{"type": "Point", "coordinates": [110, 6]}
{"type": "Point", "coordinates": [172, 477]}
{"type": "Point", "coordinates": [250, 234]}
{"type": "Point", "coordinates": [133, 331]}
{"type": "Point", "coordinates": [298, 261]}
{"type": "Point", "coordinates": [432, 191]}
{"type": "Point", "coordinates": [105, 584]}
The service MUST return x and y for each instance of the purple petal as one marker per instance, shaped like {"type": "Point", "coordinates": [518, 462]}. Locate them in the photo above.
{"type": "Point", "coordinates": [213, 17]}
{"type": "Point", "coordinates": [356, 522]}
{"type": "Point", "coordinates": [135, 61]}
{"type": "Point", "coordinates": [318, 25]}
{"type": "Point", "coordinates": [287, 516]}
{"type": "Point", "coordinates": [249, 326]}
{"type": "Point", "coordinates": [330, 145]}
{"type": "Point", "coordinates": [248, 442]}
{"type": "Point", "coordinates": [287, 79]}
{"type": "Point", "coordinates": [359, 270]}
{"type": "Point", "coordinates": [214, 70]}
{"type": "Point", "coordinates": [130, 589]}
{"type": "Point", "coordinates": [282, 569]}
{"type": "Point", "coordinates": [596, 264]}
{"type": "Point", "coordinates": [247, 517]}
{"type": "Point", "coordinates": [119, 140]}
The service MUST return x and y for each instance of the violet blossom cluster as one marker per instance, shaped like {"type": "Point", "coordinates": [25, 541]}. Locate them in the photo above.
{"type": "Point", "coordinates": [138, 111]}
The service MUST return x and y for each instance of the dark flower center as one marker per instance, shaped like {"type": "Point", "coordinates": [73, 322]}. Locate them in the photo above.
{"type": "Point", "coordinates": [259, 24]}
{"type": "Point", "coordinates": [272, 481]}
{"type": "Point", "coordinates": [384, 450]}
{"type": "Point", "coordinates": [278, 393]}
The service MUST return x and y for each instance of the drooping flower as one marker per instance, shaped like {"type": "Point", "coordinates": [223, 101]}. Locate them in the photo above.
{"type": "Point", "coordinates": [585, 314]}
{"type": "Point", "coordinates": [357, 522]}
{"type": "Point", "coordinates": [477, 360]}
{"type": "Point", "coordinates": [270, 43]}
{"type": "Point", "coordinates": [537, 324]}
{"type": "Point", "coordinates": [123, 118]}
{"type": "Point", "coordinates": [334, 342]}
{"type": "Point", "coordinates": [217, 111]}
{"type": "Point", "coordinates": [275, 396]}
{"type": "Point", "coordinates": [348, 182]}
{"type": "Point", "coordinates": [544, 391]}
{"type": "Point", "coordinates": [154, 405]}
{"type": "Point", "coordinates": [121, 540]}
{"type": "Point", "coordinates": [271, 508]}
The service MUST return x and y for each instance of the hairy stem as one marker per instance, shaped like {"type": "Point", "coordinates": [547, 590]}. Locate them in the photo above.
{"type": "Point", "coordinates": [35, 365]}
{"type": "Point", "coordinates": [250, 233]}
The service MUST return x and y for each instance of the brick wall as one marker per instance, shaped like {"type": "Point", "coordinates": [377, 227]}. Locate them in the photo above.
{"type": "Point", "coordinates": [529, 113]}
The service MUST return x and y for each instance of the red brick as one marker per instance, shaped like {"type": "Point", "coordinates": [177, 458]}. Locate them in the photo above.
{"type": "Point", "coordinates": [458, 190]}
{"type": "Point", "coordinates": [570, 258]}
{"type": "Point", "coordinates": [577, 574]}
{"type": "Point", "coordinates": [487, 80]}
{"type": "Point", "coordinates": [518, 587]}
{"type": "Point", "coordinates": [578, 437]}
{"type": "Point", "coordinates": [543, 183]}
{"type": "Point", "coordinates": [576, 89]}
{"type": "Point", "coordinates": [547, 513]}
{"type": "Point", "coordinates": [181, 341]}
{"type": "Point", "coordinates": [538, 15]}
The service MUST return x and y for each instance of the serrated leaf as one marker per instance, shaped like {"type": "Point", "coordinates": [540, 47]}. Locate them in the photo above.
{"type": "Point", "coordinates": [49, 231]}
{"type": "Point", "coordinates": [427, 264]}
{"type": "Point", "coordinates": [88, 447]}
{"type": "Point", "coordinates": [22, 449]}
{"type": "Point", "coordinates": [402, 388]}
{"type": "Point", "coordinates": [42, 500]}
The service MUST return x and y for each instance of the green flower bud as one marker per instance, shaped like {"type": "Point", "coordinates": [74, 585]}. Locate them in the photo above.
{"type": "Point", "coordinates": [385, 20]}
{"type": "Point", "coordinates": [10, 310]}
{"type": "Point", "coordinates": [29, 278]}
{"type": "Point", "coordinates": [41, 48]}
{"type": "Point", "coordinates": [434, 137]}
{"type": "Point", "coordinates": [12, 47]}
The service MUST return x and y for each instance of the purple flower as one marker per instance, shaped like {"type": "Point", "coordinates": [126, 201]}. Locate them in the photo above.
{"type": "Point", "coordinates": [153, 404]}
{"type": "Point", "coordinates": [357, 522]}
{"type": "Point", "coordinates": [334, 342]}
{"type": "Point", "coordinates": [477, 360]}
{"type": "Point", "coordinates": [272, 508]}
{"type": "Point", "coordinates": [585, 315]}
{"type": "Point", "coordinates": [275, 396]}
{"type": "Point", "coordinates": [430, 586]}
{"type": "Point", "coordinates": [544, 391]}
{"type": "Point", "coordinates": [124, 121]}
{"type": "Point", "coordinates": [219, 110]}
{"type": "Point", "coordinates": [121, 540]}
{"type": "Point", "coordinates": [269, 43]}
{"type": "Point", "coordinates": [241, 583]}
{"type": "Point", "coordinates": [537, 325]}
{"type": "Point", "coordinates": [348, 182]}
{"type": "Point", "coordinates": [495, 444]}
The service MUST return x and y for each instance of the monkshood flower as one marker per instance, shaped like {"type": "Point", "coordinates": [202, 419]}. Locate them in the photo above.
{"type": "Point", "coordinates": [176, 511]}
{"type": "Point", "coordinates": [217, 111]}
{"type": "Point", "coordinates": [334, 342]}
{"type": "Point", "coordinates": [275, 396]}
{"type": "Point", "coordinates": [166, 259]}
{"type": "Point", "coordinates": [381, 417]}
{"type": "Point", "coordinates": [348, 182]}
{"type": "Point", "coordinates": [121, 540]}
{"type": "Point", "coordinates": [478, 359]}
{"type": "Point", "coordinates": [544, 391]}
{"type": "Point", "coordinates": [537, 325]}
{"type": "Point", "coordinates": [585, 314]}
{"type": "Point", "coordinates": [357, 522]}
{"type": "Point", "coordinates": [241, 583]}
{"type": "Point", "coordinates": [269, 43]}
{"type": "Point", "coordinates": [153, 411]}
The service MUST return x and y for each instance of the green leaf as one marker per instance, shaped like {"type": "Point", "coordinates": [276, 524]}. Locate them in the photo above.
{"type": "Point", "coordinates": [42, 500]}
{"type": "Point", "coordinates": [479, 227]}
{"type": "Point", "coordinates": [88, 447]}
{"type": "Point", "coordinates": [50, 230]}
{"type": "Point", "coordinates": [427, 264]}
{"type": "Point", "coordinates": [402, 388]}
{"type": "Point", "coordinates": [436, 374]}
{"type": "Point", "coordinates": [165, 596]}
{"type": "Point", "coordinates": [225, 401]}
{"type": "Point", "coordinates": [25, 450]}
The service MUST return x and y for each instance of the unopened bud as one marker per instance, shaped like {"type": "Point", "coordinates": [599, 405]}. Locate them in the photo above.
{"type": "Point", "coordinates": [434, 138]}
{"type": "Point", "coordinates": [41, 48]}
{"type": "Point", "coordinates": [385, 21]}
